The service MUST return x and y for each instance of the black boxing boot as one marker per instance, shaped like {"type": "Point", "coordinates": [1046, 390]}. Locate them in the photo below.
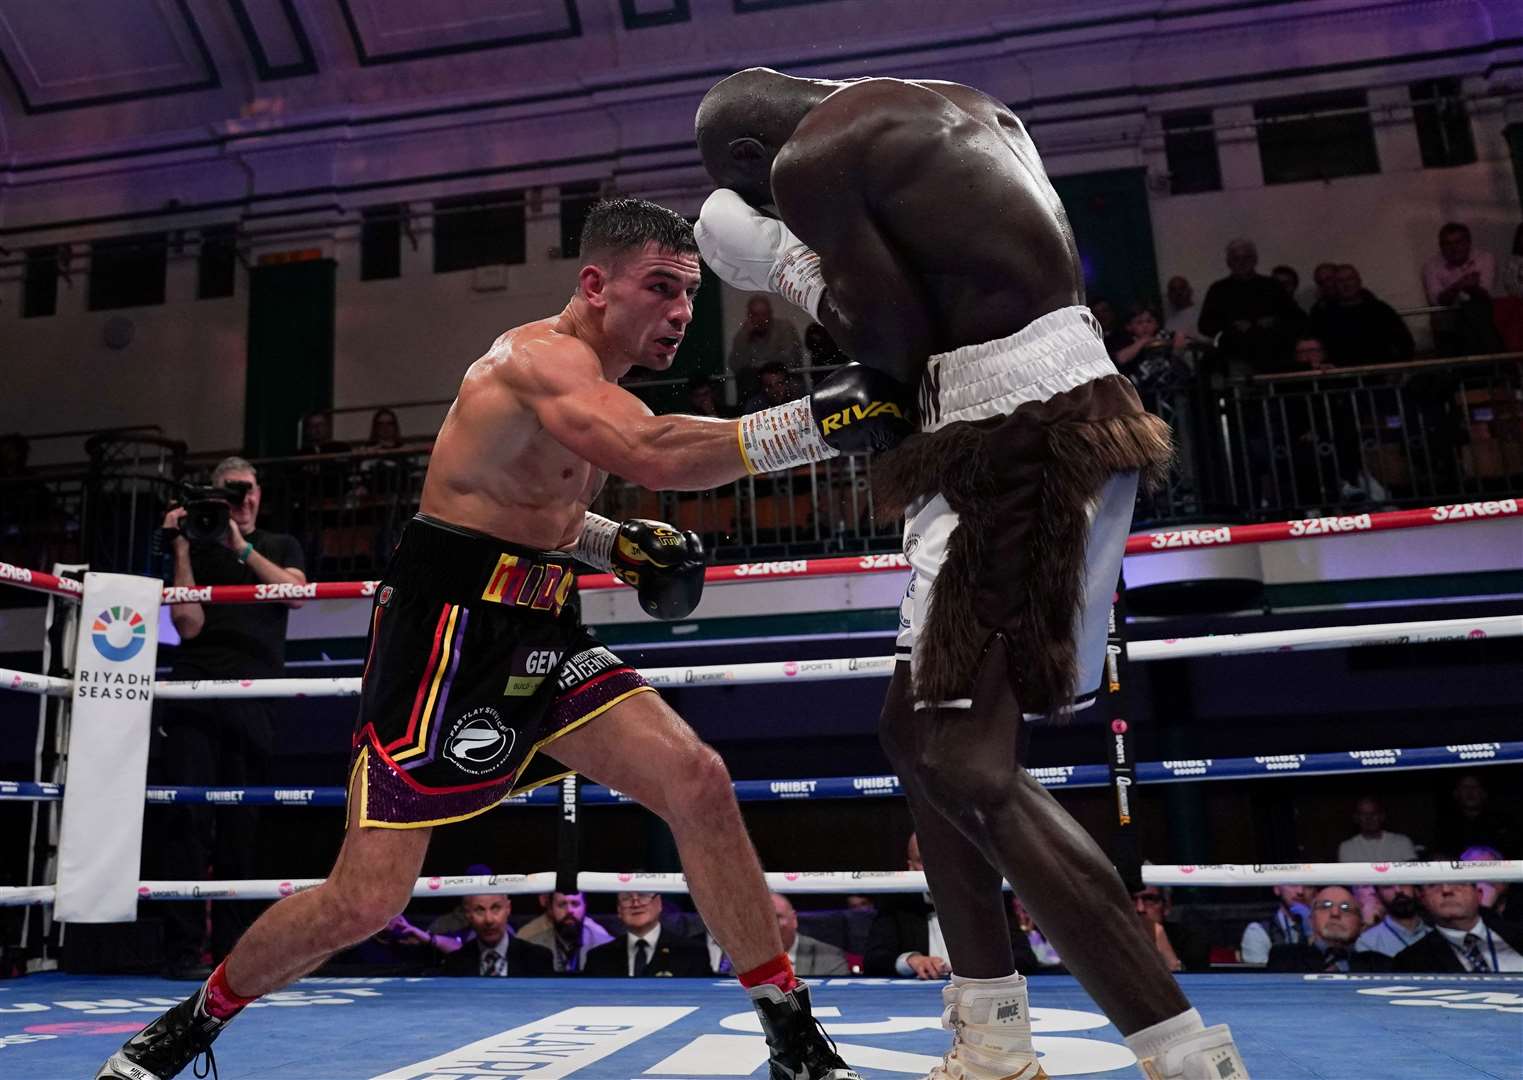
{"type": "Point", "coordinates": [800, 1048]}
{"type": "Point", "coordinates": [167, 1045]}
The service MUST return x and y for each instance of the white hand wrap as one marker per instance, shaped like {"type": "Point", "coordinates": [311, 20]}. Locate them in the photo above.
{"type": "Point", "coordinates": [595, 544]}
{"type": "Point", "coordinates": [751, 250]}
{"type": "Point", "coordinates": [781, 437]}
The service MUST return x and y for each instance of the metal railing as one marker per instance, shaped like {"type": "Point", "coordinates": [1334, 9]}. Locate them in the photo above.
{"type": "Point", "coordinates": [1266, 447]}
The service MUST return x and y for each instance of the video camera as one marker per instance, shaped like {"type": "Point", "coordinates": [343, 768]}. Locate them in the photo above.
{"type": "Point", "coordinates": [208, 510]}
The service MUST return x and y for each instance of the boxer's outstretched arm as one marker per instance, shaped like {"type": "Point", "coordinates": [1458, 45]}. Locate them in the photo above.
{"type": "Point", "coordinates": [563, 384]}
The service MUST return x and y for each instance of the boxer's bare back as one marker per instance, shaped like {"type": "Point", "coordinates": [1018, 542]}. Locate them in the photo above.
{"type": "Point", "coordinates": [931, 201]}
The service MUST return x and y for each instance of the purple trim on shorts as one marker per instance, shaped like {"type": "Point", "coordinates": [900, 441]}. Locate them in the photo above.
{"type": "Point", "coordinates": [390, 799]}
{"type": "Point", "coordinates": [449, 680]}
{"type": "Point", "coordinates": [575, 704]}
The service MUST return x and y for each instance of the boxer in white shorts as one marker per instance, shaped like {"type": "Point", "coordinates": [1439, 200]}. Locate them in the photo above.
{"type": "Point", "coordinates": [914, 220]}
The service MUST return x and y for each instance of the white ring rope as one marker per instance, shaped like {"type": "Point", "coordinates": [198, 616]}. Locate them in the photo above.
{"type": "Point", "coordinates": [863, 667]}
{"type": "Point", "coordinates": [859, 882]}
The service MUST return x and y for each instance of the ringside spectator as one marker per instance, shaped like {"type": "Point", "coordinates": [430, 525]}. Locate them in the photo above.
{"type": "Point", "coordinates": [1325, 278]}
{"type": "Point", "coordinates": [1180, 947]}
{"type": "Point", "coordinates": [776, 388]}
{"type": "Point", "coordinates": [1289, 280]}
{"type": "Point", "coordinates": [1470, 821]}
{"type": "Point", "coordinates": [1250, 315]}
{"type": "Point", "coordinates": [1494, 894]}
{"type": "Point", "coordinates": [491, 950]}
{"type": "Point", "coordinates": [1461, 279]}
{"type": "Point", "coordinates": [1402, 925]}
{"type": "Point", "coordinates": [1289, 925]}
{"type": "Point", "coordinates": [808, 955]}
{"type": "Point", "coordinates": [905, 938]}
{"type": "Point", "coordinates": [565, 930]}
{"type": "Point", "coordinates": [1463, 938]}
{"type": "Point", "coordinates": [1335, 928]}
{"type": "Point", "coordinates": [763, 339]}
{"type": "Point", "coordinates": [703, 397]}
{"type": "Point", "coordinates": [647, 947]}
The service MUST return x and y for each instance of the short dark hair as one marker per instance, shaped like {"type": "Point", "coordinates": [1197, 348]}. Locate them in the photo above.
{"type": "Point", "coordinates": [1453, 228]}
{"type": "Point", "coordinates": [623, 224]}
{"type": "Point", "coordinates": [1291, 270]}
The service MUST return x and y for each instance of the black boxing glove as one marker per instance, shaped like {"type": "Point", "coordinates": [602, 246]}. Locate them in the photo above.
{"type": "Point", "coordinates": [860, 408]}
{"type": "Point", "coordinates": [857, 409]}
{"type": "Point", "coordinates": [663, 564]}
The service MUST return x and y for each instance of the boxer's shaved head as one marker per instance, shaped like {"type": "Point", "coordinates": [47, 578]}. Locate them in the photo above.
{"type": "Point", "coordinates": [744, 120]}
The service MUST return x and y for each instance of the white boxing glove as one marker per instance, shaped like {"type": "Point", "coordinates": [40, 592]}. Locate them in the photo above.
{"type": "Point", "coordinates": [752, 251]}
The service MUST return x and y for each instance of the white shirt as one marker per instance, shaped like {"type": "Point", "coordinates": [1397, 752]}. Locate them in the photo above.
{"type": "Point", "coordinates": [1387, 847]}
{"type": "Point", "coordinates": [1499, 955]}
{"type": "Point", "coordinates": [650, 938]}
{"type": "Point", "coordinates": [1184, 321]}
{"type": "Point", "coordinates": [1438, 275]}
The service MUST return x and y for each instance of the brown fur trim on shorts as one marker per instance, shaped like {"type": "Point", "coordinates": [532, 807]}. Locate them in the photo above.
{"type": "Point", "coordinates": [1021, 486]}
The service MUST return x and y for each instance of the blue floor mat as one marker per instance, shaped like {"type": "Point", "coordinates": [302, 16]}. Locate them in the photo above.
{"type": "Point", "coordinates": [1377, 1027]}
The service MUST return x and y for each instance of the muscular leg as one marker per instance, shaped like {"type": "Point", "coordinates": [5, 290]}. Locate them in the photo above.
{"type": "Point", "coordinates": [965, 885]}
{"type": "Point", "coordinates": [371, 881]}
{"type": "Point", "coordinates": [966, 761]}
{"type": "Point", "coordinates": [642, 748]}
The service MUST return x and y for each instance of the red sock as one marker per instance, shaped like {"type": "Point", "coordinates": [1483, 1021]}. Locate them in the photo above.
{"type": "Point", "coordinates": [778, 971]}
{"type": "Point", "coordinates": [221, 1002]}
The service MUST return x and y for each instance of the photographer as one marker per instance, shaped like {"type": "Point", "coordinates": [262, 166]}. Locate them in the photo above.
{"type": "Point", "coordinates": [222, 742]}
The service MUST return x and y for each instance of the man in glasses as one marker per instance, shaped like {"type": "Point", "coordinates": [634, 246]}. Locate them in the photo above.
{"type": "Point", "coordinates": [1181, 947]}
{"type": "Point", "coordinates": [647, 948]}
{"type": "Point", "coordinates": [1335, 924]}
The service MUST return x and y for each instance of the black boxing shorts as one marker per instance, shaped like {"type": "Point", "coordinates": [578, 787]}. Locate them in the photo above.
{"type": "Point", "coordinates": [477, 662]}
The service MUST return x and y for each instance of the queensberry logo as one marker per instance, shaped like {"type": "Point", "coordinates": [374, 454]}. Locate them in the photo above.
{"type": "Point", "coordinates": [119, 633]}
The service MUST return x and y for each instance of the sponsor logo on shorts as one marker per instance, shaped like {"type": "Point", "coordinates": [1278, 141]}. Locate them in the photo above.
{"type": "Point", "coordinates": [586, 665]}
{"type": "Point", "coordinates": [479, 741]}
{"type": "Point", "coordinates": [387, 592]}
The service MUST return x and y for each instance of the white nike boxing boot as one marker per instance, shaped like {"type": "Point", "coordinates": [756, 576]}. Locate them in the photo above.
{"type": "Point", "coordinates": [1183, 1048]}
{"type": "Point", "coordinates": [990, 1023]}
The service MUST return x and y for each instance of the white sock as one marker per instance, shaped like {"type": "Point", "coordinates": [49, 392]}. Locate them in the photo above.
{"type": "Point", "coordinates": [1151, 1041]}
{"type": "Point", "coordinates": [1003, 980]}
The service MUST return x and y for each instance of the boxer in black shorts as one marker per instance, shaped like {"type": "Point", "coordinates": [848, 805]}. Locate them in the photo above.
{"type": "Point", "coordinates": [480, 678]}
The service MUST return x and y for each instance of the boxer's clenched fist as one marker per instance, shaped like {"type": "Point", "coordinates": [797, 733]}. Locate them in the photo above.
{"type": "Point", "coordinates": [752, 251]}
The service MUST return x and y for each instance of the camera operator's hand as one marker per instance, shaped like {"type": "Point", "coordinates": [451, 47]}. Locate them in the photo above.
{"type": "Point", "coordinates": [172, 521]}
{"type": "Point", "coordinates": [233, 539]}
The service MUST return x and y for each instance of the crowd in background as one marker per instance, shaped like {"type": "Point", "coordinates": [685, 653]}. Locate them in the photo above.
{"type": "Point", "coordinates": [1470, 926]}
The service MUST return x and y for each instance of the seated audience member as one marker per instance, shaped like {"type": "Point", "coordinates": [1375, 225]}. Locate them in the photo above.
{"type": "Point", "coordinates": [1325, 278]}
{"type": "Point", "coordinates": [1250, 316]}
{"type": "Point", "coordinates": [491, 950]}
{"type": "Point", "coordinates": [1510, 276]}
{"type": "Point", "coordinates": [1371, 908]}
{"type": "Point", "coordinates": [646, 948]}
{"type": "Point", "coordinates": [905, 937]}
{"type": "Point", "coordinates": [565, 930]}
{"type": "Point", "coordinates": [385, 431]}
{"type": "Point", "coordinates": [407, 933]}
{"type": "Point", "coordinates": [1288, 280]}
{"type": "Point", "coordinates": [1148, 355]}
{"type": "Point", "coordinates": [1402, 925]}
{"type": "Point", "coordinates": [1373, 843]}
{"type": "Point", "coordinates": [1358, 328]}
{"type": "Point", "coordinates": [1105, 314]}
{"type": "Point", "coordinates": [1471, 822]}
{"type": "Point", "coordinates": [776, 388]}
{"type": "Point", "coordinates": [1289, 925]}
{"type": "Point", "coordinates": [1494, 894]}
{"type": "Point", "coordinates": [454, 923]}
{"type": "Point", "coordinates": [703, 397]}
{"type": "Point", "coordinates": [1334, 930]}
{"type": "Point", "coordinates": [1464, 938]}
{"type": "Point", "coordinates": [317, 435]}
{"type": "Point", "coordinates": [1181, 948]}
{"type": "Point", "coordinates": [1461, 279]}
{"type": "Point", "coordinates": [808, 955]}
{"type": "Point", "coordinates": [1034, 954]}
{"type": "Point", "coordinates": [1183, 314]}
{"type": "Point", "coordinates": [820, 348]}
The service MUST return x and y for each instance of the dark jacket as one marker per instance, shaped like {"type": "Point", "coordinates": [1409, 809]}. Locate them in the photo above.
{"type": "Point", "coordinates": [675, 956]}
{"type": "Point", "coordinates": [902, 925]}
{"type": "Point", "coordinates": [1433, 953]}
{"type": "Point", "coordinates": [524, 960]}
{"type": "Point", "coordinates": [1369, 332]}
{"type": "Point", "coordinates": [1311, 958]}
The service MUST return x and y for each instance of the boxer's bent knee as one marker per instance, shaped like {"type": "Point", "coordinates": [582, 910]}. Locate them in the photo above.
{"type": "Point", "coordinates": [960, 777]}
{"type": "Point", "coordinates": [699, 786]}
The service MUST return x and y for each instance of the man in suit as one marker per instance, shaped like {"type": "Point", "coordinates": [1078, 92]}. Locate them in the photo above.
{"type": "Point", "coordinates": [1463, 938]}
{"type": "Point", "coordinates": [1336, 920]}
{"type": "Point", "coordinates": [905, 937]}
{"type": "Point", "coordinates": [646, 948]}
{"type": "Point", "coordinates": [491, 951]}
{"type": "Point", "coordinates": [810, 956]}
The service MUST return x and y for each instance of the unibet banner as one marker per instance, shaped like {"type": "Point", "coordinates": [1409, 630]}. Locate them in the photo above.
{"type": "Point", "coordinates": [104, 786]}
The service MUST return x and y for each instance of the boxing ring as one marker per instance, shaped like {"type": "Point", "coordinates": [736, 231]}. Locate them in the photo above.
{"type": "Point", "coordinates": [1328, 1025]}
